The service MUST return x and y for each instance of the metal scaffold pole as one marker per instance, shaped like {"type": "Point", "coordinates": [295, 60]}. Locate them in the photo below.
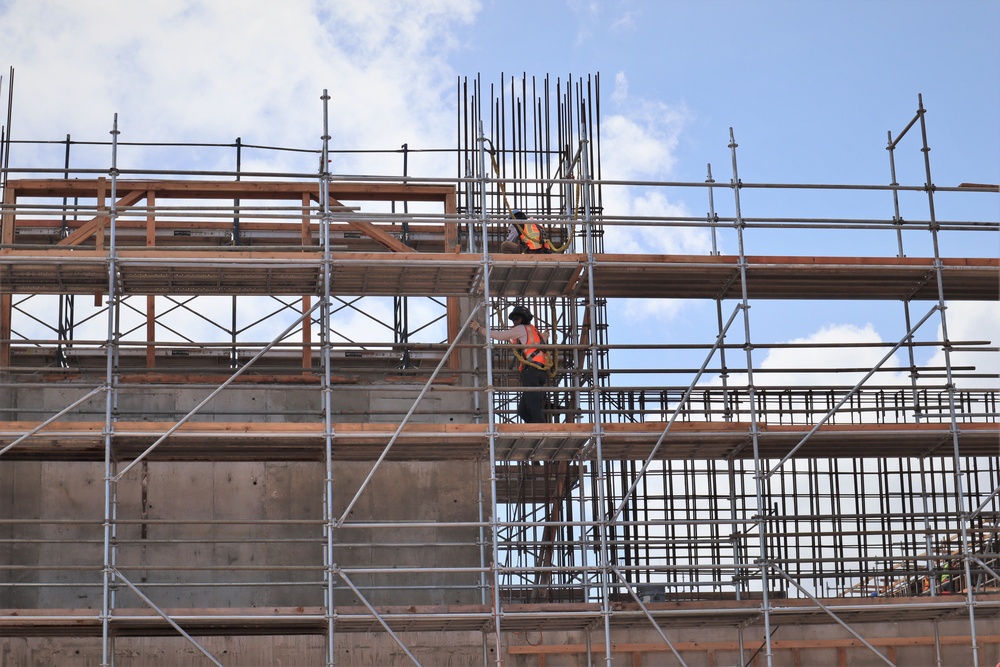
{"type": "Point", "coordinates": [898, 222]}
{"type": "Point", "coordinates": [764, 561]}
{"type": "Point", "coordinates": [605, 559]}
{"type": "Point", "coordinates": [110, 483]}
{"type": "Point", "coordinates": [964, 505]}
{"type": "Point", "coordinates": [329, 521]}
{"type": "Point", "coordinates": [495, 566]}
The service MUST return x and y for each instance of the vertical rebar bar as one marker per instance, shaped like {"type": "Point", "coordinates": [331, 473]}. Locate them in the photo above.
{"type": "Point", "coordinates": [5, 155]}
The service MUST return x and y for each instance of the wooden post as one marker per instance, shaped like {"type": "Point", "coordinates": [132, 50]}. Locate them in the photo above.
{"type": "Point", "coordinates": [306, 300]}
{"type": "Point", "coordinates": [6, 299]}
{"type": "Point", "coordinates": [452, 303]}
{"type": "Point", "coordinates": [150, 298]}
{"type": "Point", "coordinates": [102, 184]}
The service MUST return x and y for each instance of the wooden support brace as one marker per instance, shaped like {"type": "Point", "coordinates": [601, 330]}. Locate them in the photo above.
{"type": "Point", "coordinates": [374, 232]}
{"type": "Point", "coordinates": [96, 224]}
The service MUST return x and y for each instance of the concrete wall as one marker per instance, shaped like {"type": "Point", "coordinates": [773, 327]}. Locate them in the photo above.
{"type": "Point", "coordinates": [275, 510]}
{"type": "Point", "coordinates": [173, 515]}
{"type": "Point", "coordinates": [386, 402]}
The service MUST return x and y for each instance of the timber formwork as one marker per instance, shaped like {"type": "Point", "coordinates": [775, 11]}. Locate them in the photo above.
{"type": "Point", "coordinates": [677, 504]}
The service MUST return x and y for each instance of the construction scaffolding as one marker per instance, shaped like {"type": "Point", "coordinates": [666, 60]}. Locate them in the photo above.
{"type": "Point", "coordinates": [239, 403]}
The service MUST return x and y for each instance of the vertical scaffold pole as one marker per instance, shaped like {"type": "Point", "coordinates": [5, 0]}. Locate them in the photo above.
{"type": "Point", "coordinates": [107, 653]}
{"type": "Point", "coordinates": [491, 411]}
{"type": "Point", "coordinates": [469, 187]}
{"type": "Point", "coordinates": [713, 220]}
{"type": "Point", "coordinates": [960, 497]}
{"type": "Point", "coordinates": [597, 417]}
{"type": "Point", "coordinates": [897, 219]}
{"type": "Point", "coordinates": [328, 519]}
{"type": "Point", "coordinates": [752, 400]}
{"type": "Point", "coordinates": [898, 222]}
{"type": "Point", "coordinates": [727, 413]}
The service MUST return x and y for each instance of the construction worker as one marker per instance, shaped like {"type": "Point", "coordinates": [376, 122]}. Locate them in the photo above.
{"type": "Point", "coordinates": [533, 362]}
{"type": "Point", "coordinates": [525, 237]}
{"type": "Point", "coordinates": [948, 572]}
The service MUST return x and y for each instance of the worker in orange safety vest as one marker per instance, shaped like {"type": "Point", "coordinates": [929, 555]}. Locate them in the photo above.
{"type": "Point", "coordinates": [525, 237]}
{"type": "Point", "coordinates": [534, 362]}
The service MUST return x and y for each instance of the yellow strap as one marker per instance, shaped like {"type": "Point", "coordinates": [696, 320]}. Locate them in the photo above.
{"type": "Point", "coordinates": [549, 367]}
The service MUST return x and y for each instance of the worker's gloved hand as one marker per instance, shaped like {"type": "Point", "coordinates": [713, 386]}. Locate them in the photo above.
{"type": "Point", "coordinates": [475, 326]}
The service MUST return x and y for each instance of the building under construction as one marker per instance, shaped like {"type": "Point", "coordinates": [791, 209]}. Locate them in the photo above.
{"type": "Point", "coordinates": [244, 419]}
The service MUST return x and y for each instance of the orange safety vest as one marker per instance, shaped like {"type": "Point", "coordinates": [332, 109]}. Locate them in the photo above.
{"type": "Point", "coordinates": [532, 236]}
{"type": "Point", "coordinates": [535, 356]}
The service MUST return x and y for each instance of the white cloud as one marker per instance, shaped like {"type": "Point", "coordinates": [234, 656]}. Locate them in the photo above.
{"type": "Point", "coordinates": [841, 354]}
{"type": "Point", "coordinates": [200, 71]}
{"type": "Point", "coordinates": [639, 140]}
{"type": "Point", "coordinates": [820, 366]}
{"type": "Point", "coordinates": [863, 347]}
{"type": "Point", "coordinates": [655, 238]}
{"type": "Point", "coordinates": [651, 309]}
{"type": "Point", "coordinates": [972, 321]}
{"type": "Point", "coordinates": [625, 22]}
{"type": "Point", "coordinates": [831, 351]}
{"type": "Point", "coordinates": [588, 13]}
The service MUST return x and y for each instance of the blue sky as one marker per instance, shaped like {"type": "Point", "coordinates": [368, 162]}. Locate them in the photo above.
{"type": "Point", "coordinates": [797, 80]}
{"type": "Point", "coordinates": [810, 88]}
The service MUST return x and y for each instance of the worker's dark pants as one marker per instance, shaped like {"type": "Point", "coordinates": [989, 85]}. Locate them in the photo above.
{"type": "Point", "coordinates": [529, 405]}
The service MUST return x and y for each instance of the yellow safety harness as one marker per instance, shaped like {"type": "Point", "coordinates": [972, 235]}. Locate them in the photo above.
{"type": "Point", "coordinates": [550, 361]}
{"type": "Point", "coordinates": [535, 356]}
{"type": "Point", "coordinates": [532, 236]}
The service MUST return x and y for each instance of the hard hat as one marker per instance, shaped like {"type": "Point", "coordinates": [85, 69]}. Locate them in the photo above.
{"type": "Point", "coordinates": [519, 214]}
{"type": "Point", "coordinates": [521, 311]}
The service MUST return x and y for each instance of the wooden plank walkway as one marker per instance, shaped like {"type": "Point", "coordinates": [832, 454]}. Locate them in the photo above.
{"type": "Point", "coordinates": [261, 441]}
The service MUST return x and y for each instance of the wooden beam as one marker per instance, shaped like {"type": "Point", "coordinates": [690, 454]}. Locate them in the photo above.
{"type": "Point", "coordinates": [102, 192]}
{"type": "Point", "coordinates": [150, 299]}
{"type": "Point", "coordinates": [306, 336]}
{"type": "Point", "coordinates": [102, 184]}
{"type": "Point", "coordinates": [293, 190]}
{"type": "Point", "coordinates": [7, 219]}
{"type": "Point", "coordinates": [370, 230]}
{"type": "Point", "coordinates": [453, 304]}
{"type": "Point", "coordinates": [97, 223]}
{"type": "Point", "coordinates": [6, 306]}
{"type": "Point", "coordinates": [6, 299]}
{"type": "Point", "coordinates": [305, 235]}
{"type": "Point", "coordinates": [390, 242]}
